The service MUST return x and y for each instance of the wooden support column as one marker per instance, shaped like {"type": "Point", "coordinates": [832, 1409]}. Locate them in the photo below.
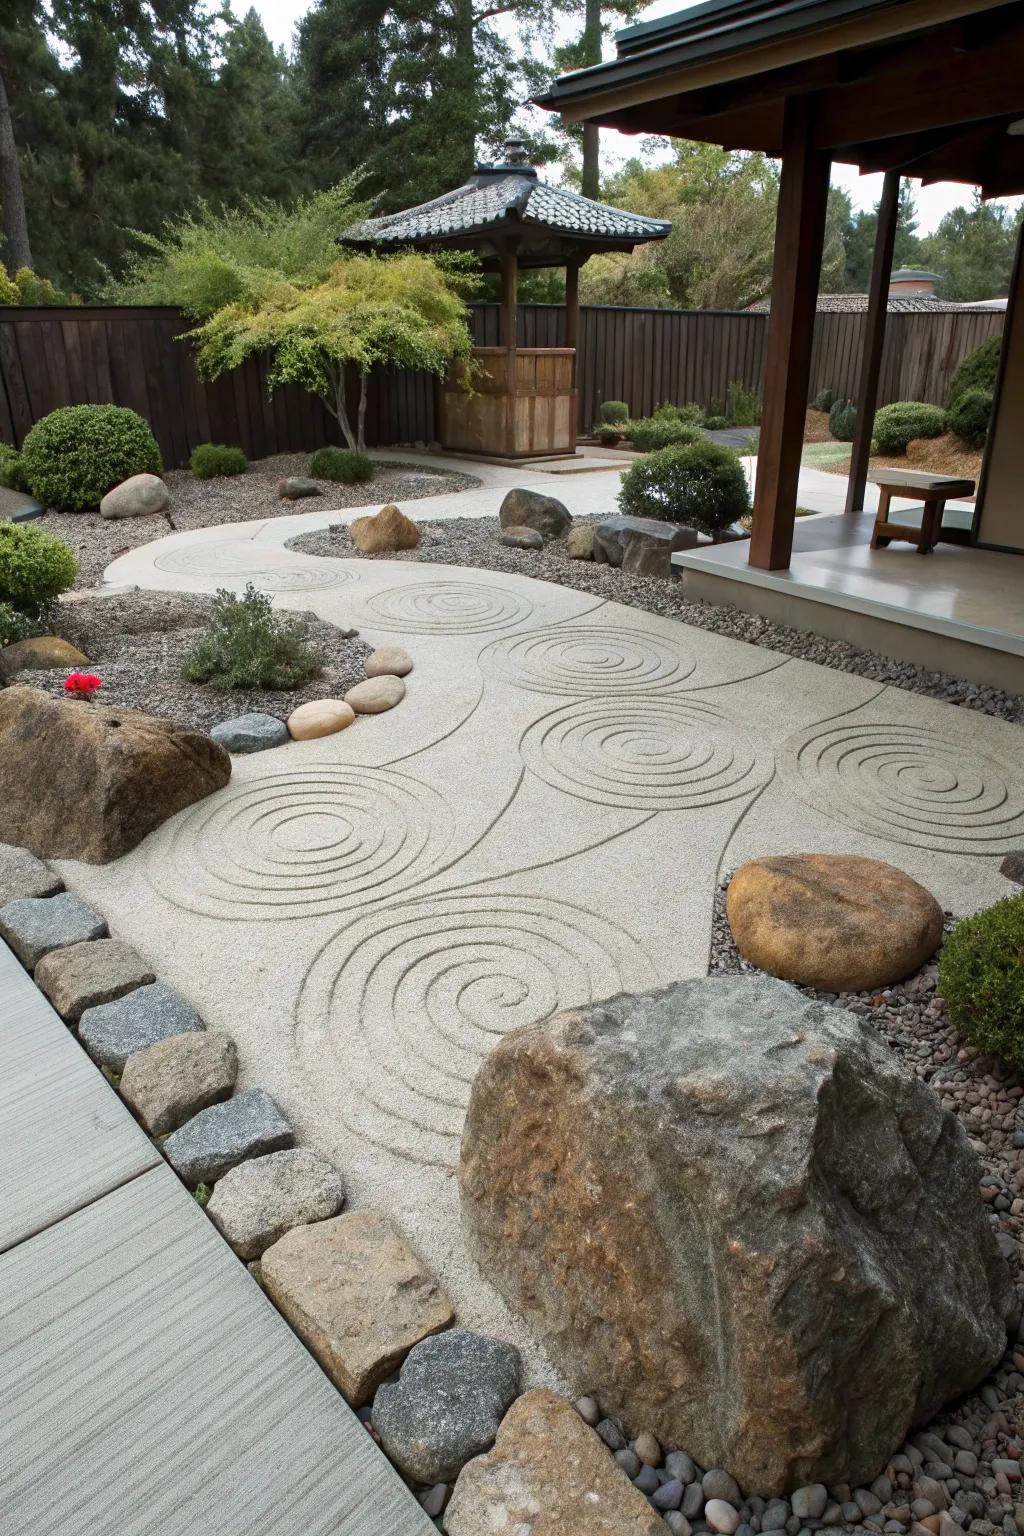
{"type": "Point", "coordinates": [509, 287]}
{"type": "Point", "coordinates": [799, 237]}
{"type": "Point", "coordinates": [871, 358]}
{"type": "Point", "coordinates": [572, 328]}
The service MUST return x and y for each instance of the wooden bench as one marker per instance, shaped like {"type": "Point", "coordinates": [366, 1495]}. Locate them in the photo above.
{"type": "Point", "coordinates": [914, 485]}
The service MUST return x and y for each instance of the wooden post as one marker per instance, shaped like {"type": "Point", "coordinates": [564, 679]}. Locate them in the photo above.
{"type": "Point", "coordinates": [572, 326]}
{"type": "Point", "coordinates": [509, 286]}
{"type": "Point", "coordinates": [871, 359]}
{"type": "Point", "coordinates": [799, 237]}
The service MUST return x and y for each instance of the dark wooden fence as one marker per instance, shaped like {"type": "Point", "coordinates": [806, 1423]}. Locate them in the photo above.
{"type": "Point", "coordinates": [65, 356]}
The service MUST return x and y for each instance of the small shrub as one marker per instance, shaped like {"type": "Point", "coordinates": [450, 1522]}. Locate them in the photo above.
{"type": "Point", "coordinates": [10, 468]}
{"type": "Point", "coordinates": [614, 412]}
{"type": "Point", "coordinates": [700, 483]}
{"type": "Point", "coordinates": [824, 400]}
{"type": "Point", "coordinates": [8, 289]}
{"type": "Point", "coordinates": [341, 464]}
{"type": "Point", "coordinates": [36, 290]}
{"type": "Point", "coordinates": [14, 625]}
{"type": "Point", "coordinates": [899, 424]}
{"type": "Point", "coordinates": [715, 408]}
{"type": "Point", "coordinates": [34, 568]}
{"type": "Point", "coordinates": [981, 977]}
{"type": "Point", "coordinates": [716, 423]}
{"type": "Point", "coordinates": [978, 370]}
{"type": "Point", "coordinates": [742, 405]}
{"type": "Point", "coordinates": [250, 646]}
{"type": "Point", "coordinates": [842, 420]}
{"type": "Point", "coordinates": [72, 457]}
{"type": "Point", "coordinates": [609, 434]}
{"type": "Point", "coordinates": [653, 433]}
{"type": "Point", "coordinates": [211, 459]}
{"type": "Point", "coordinates": [969, 416]}
{"type": "Point", "coordinates": [691, 415]}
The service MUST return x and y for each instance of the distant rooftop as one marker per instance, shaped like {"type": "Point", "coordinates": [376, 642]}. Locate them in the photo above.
{"type": "Point", "coordinates": [898, 304]}
{"type": "Point", "coordinates": [913, 275]}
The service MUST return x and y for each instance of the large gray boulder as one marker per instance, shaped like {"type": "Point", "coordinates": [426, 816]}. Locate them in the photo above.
{"type": "Point", "coordinates": [523, 508]}
{"type": "Point", "coordinates": [726, 1210]}
{"type": "Point", "coordinates": [138, 496]}
{"type": "Point", "coordinates": [643, 546]}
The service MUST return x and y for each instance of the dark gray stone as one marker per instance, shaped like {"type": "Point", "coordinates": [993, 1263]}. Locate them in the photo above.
{"type": "Point", "coordinates": [522, 538]}
{"type": "Point", "coordinates": [1013, 866]}
{"type": "Point", "coordinates": [775, 1515]}
{"type": "Point", "coordinates": [611, 1434]}
{"type": "Point", "coordinates": [646, 1480]}
{"type": "Point", "coordinates": [669, 1495]}
{"type": "Point", "coordinates": [616, 537]}
{"type": "Point", "coordinates": [35, 925]}
{"type": "Point", "coordinates": [452, 1393]}
{"type": "Point", "coordinates": [251, 733]}
{"type": "Point", "coordinates": [531, 509]}
{"type": "Point", "coordinates": [114, 1031]}
{"type": "Point", "coordinates": [693, 1501]}
{"type": "Point", "coordinates": [22, 875]}
{"type": "Point", "coordinates": [297, 486]}
{"type": "Point", "coordinates": [678, 1464]}
{"type": "Point", "coordinates": [259, 1201]}
{"type": "Point", "coordinates": [717, 1484]}
{"type": "Point", "coordinates": [218, 1138]}
{"type": "Point", "coordinates": [629, 1461]}
{"type": "Point", "coordinates": [809, 1503]}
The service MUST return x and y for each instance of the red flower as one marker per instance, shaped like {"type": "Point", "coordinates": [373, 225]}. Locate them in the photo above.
{"type": "Point", "coordinates": [82, 685]}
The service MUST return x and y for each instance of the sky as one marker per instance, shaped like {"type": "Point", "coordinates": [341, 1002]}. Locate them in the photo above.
{"type": "Point", "coordinates": [280, 18]}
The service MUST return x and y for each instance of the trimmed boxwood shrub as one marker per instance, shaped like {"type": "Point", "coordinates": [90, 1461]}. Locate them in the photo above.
{"type": "Point", "coordinates": [981, 977]}
{"type": "Point", "coordinates": [977, 371]}
{"type": "Point", "coordinates": [655, 432]}
{"type": "Point", "coordinates": [824, 400]}
{"type": "Point", "coordinates": [716, 423]}
{"type": "Point", "coordinates": [211, 459]}
{"type": "Point", "coordinates": [11, 474]}
{"type": "Point", "coordinates": [969, 415]}
{"type": "Point", "coordinates": [73, 457]}
{"type": "Point", "coordinates": [34, 568]}
{"type": "Point", "coordinates": [899, 424]}
{"type": "Point", "coordinates": [842, 420]}
{"type": "Point", "coordinates": [250, 646]}
{"type": "Point", "coordinates": [614, 412]}
{"type": "Point", "coordinates": [608, 433]}
{"type": "Point", "coordinates": [341, 464]}
{"type": "Point", "coordinates": [701, 484]}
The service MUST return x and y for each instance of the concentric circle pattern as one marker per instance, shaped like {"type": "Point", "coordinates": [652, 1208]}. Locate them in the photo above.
{"type": "Point", "coordinates": [581, 660]}
{"type": "Point", "coordinates": [400, 1009]}
{"type": "Point", "coordinates": [445, 608]}
{"type": "Point", "coordinates": [295, 844]}
{"type": "Point", "coordinates": [908, 784]}
{"type": "Point", "coordinates": [266, 569]}
{"type": "Point", "coordinates": [653, 754]}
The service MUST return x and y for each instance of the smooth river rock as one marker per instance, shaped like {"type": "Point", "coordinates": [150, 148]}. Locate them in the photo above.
{"type": "Point", "coordinates": [521, 538]}
{"type": "Point", "coordinates": [320, 717]}
{"type": "Point", "coordinates": [729, 1211]}
{"type": "Point", "coordinates": [548, 1475]}
{"type": "Point", "coordinates": [251, 733]}
{"type": "Point", "coordinates": [375, 695]}
{"type": "Point", "coordinates": [832, 921]}
{"type": "Point", "coordinates": [138, 496]}
{"type": "Point", "coordinates": [40, 653]}
{"type": "Point", "coordinates": [388, 661]}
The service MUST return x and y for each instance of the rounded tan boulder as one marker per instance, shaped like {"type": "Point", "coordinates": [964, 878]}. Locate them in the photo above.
{"type": "Point", "coordinates": [320, 717]}
{"type": "Point", "coordinates": [832, 921]}
{"type": "Point", "coordinates": [388, 661]}
{"type": "Point", "coordinates": [376, 695]}
{"type": "Point", "coordinates": [388, 531]}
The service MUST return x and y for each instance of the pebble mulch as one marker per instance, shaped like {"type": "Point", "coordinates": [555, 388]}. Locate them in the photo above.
{"type": "Point", "coordinates": [474, 542]}
{"type": "Point", "coordinates": [137, 642]}
{"type": "Point", "coordinates": [244, 498]}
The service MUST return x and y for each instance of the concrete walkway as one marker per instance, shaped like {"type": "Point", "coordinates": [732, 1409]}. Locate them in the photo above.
{"type": "Point", "coordinates": [146, 1383]}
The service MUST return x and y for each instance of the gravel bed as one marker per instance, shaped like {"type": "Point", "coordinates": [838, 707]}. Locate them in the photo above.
{"type": "Point", "coordinates": [471, 541]}
{"type": "Point", "coordinates": [236, 499]}
{"type": "Point", "coordinates": [138, 641]}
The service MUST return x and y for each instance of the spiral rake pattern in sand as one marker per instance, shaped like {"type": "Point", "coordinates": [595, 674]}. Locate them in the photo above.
{"type": "Point", "coordinates": [588, 659]}
{"type": "Point", "coordinates": [908, 784]}
{"type": "Point", "coordinates": [266, 569]}
{"type": "Point", "coordinates": [651, 754]}
{"type": "Point", "coordinates": [317, 839]}
{"type": "Point", "coordinates": [445, 608]}
{"type": "Point", "coordinates": [398, 1011]}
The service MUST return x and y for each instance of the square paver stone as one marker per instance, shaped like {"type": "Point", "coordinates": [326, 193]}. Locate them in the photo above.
{"type": "Point", "coordinates": [357, 1294]}
{"type": "Point", "coordinates": [172, 1080]}
{"type": "Point", "coordinates": [35, 925]}
{"type": "Point", "coordinates": [218, 1138]}
{"type": "Point", "coordinates": [22, 874]}
{"type": "Point", "coordinates": [114, 1031]}
{"type": "Point", "coordinates": [85, 975]}
{"type": "Point", "coordinates": [262, 1199]}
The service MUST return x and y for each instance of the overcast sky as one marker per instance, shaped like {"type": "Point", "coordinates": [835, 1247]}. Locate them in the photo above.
{"type": "Point", "coordinates": [280, 17]}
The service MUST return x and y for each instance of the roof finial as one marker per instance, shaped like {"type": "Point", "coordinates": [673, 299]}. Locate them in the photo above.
{"type": "Point", "coordinates": [515, 152]}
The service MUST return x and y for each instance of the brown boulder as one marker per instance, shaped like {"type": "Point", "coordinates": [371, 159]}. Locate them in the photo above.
{"type": "Point", "coordinates": [42, 653]}
{"type": "Point", "coordinates": [86, 781]}
{"type": "Point", "coordinates": [388, 531]}
{"type": "Point", "coordinates": [548, 1475]}
{"type": "Point", "coordinates": [832, 921]}
{"type": "Point", "coordinates": [523, 508]}
{"type": "Point", "coordinates": [727, 1211]}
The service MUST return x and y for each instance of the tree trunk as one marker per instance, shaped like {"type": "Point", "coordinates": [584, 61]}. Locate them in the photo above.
{"type": "Point", "coordinates": [361, 436]}
{"type": "Point", "coordinates": [12, 196]}
{"type": "Point", "coordinates": [462, 117]}
{"type": "Point", "coordinates": [591, 51]}
{"type": "Point", "coordinates": [339, 410]}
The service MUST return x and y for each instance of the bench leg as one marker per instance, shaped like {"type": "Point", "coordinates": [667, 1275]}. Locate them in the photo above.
{"type": "Point", "coordinates": [931, 522]}
{"type": "Point", "coordinates": [881, 516]}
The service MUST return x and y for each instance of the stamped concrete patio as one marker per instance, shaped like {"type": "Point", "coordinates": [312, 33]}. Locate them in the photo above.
{"type": "Point", "coordinates": [541, 822]}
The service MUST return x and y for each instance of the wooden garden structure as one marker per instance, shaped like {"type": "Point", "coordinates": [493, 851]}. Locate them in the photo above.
{"type": "Point", "coordinates": [519, 401]}
{"type": "Point", "coordinates": [926, 88]}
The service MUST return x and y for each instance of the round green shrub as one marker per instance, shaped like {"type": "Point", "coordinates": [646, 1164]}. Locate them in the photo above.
{"type": "Point", "coordinates": [614, 412]}
{"type": "Point", "coordinates": [691, 415]}
{"type": "Point", "coordinates": [899, 424]}
{"type": "Point", "coordinates": [969, 415]}
{"type": "Point", "coordinates": [341, 464]}
{"type": "Point", "coordinates": [842, 420]}
{"type": "Point", "coordinates": [11, 474]}
{"type": "Point", "coordinates": [700, 483]}
{"type": "Point", "coordinates": [981, 977]}
{"type": "Point", "coordinates": [608, 433]}
{"type": "Point", "coordinates": [9, 293]}
{"type": "Point", "coordinates": [15, 626]}
{"type": "Point", "coordinates": [654, 432]}
{"type": "Point", "coordinates": [978, 370]}
{"type": "Point", "coordinates": [824, 400]}
{"type": "Point", "coordinates": [34, 568]}
{"type": "Point", "coordinates": [72, 457]}
{"type": "Point", "coordinates": [716, 423]}
{"type": "Point", "coordinates": [211, 459]}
